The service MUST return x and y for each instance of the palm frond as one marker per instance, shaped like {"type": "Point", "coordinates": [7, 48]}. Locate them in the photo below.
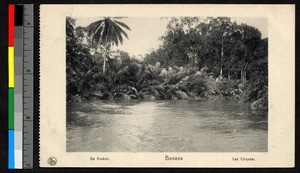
{"type": "Point", "coordinates": [93, 27]}
{"type": "Point", "coordinates": [118, 33]}
{"type": "Point", "coordinates": [122, 31]}
{"type": "Point", "coordinates": [122, 24]}
{"type": "Point", "coordinates": [97, 35]}
{"type": "Point", "coordinates": [107, 31]}
{"type": "Point", "coordinates": [104, 35]}
{"type": "Point", "coordinates": [114, 35]}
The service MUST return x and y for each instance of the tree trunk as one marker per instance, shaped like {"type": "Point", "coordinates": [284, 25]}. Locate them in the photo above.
{"type": "Point", "coordinates": [221, 62]}
{"type": "Point", "coordinates": [104, 61]}
{"type": "Point", "coordinates": [244, 73]}
{"type": "Point", "coordinates": [243, 76]}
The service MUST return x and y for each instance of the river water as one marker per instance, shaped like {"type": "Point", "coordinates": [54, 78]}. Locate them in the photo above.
{"type": "Point", "coordinates": [165, 126]}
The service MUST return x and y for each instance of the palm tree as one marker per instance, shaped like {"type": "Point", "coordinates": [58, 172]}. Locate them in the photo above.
{"type": "Point", "coordinates": [106, 32]}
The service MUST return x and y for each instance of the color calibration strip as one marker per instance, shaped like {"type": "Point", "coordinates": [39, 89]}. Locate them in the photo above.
{"type": "Point", "coordinates": [20, 74]}
{"type": "Point", "coordinates": [11, 83]}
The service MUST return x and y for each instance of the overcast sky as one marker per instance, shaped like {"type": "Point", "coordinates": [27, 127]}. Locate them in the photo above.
{"type": "Point", "coordinates": [145, 32]}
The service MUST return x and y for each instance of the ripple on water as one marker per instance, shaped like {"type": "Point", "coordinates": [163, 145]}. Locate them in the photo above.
{"type": "Point", "coordinates": [165, 126]}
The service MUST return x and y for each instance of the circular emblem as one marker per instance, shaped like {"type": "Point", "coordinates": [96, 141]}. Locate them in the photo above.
{"type": "Point", "coordinates": [52, 161]}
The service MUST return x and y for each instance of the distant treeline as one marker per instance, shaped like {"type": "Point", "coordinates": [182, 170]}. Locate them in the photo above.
{"type": "Point", "coordinates": [207, 58]}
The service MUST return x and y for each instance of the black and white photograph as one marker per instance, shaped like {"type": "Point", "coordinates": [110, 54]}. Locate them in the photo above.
{"type": "Point", "coordinates": [166, 84]}
{"type": "Point", "coordinates": [171, 86]}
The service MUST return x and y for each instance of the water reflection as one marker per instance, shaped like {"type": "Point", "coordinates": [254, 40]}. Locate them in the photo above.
{"type": "Point", "coordinates": [165, 126]}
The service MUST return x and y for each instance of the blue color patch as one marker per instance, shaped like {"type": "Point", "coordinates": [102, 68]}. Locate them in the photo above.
{"type": "Point", "coordinates": [11, 150]}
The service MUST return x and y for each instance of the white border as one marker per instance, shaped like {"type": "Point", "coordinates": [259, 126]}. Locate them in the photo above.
{"type": "Point", "coordinates": [281, 133]}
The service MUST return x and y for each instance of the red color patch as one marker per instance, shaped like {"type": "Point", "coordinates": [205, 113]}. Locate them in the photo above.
{"type": "Point", "coordinates": [11, 23]}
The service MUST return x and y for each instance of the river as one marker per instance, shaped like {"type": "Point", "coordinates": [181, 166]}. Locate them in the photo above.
{"type": "Point", "coordinates": [165, 126]}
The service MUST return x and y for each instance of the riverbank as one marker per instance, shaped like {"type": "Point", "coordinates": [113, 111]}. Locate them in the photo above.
{"type": "Point", "coordinates": [160, 92]}
{"type": "Point", "coordinates": [148, 82]}
{"type": "Point", "coordinates": [175, 85]}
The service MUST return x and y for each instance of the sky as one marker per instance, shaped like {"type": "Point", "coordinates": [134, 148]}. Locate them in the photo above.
{"type": "Point", "coordinates": [145, 32]}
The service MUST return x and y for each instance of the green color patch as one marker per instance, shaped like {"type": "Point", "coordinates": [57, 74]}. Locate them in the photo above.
{"type": "Point", "coordinates": [11, 108]}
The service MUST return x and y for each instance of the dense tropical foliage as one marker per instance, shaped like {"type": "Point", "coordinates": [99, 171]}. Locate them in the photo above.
{"type": "Point", "coordinates": [209, 58]}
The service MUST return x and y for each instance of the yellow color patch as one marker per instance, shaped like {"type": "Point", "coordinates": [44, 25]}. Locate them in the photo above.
{"type": "Point", "coordinates": [11, 67]}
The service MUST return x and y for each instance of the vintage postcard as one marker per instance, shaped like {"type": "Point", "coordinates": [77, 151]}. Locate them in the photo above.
{"type": "Point", "coordinates": [167, 86]}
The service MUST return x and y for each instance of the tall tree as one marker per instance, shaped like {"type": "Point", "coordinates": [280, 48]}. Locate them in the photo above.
{"type": "Point", "coordinates": [247, 41]}
{"type": "Point", "coordinates": [107, 32]}
{"type": "Point", "coordinates": [220, 29]}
